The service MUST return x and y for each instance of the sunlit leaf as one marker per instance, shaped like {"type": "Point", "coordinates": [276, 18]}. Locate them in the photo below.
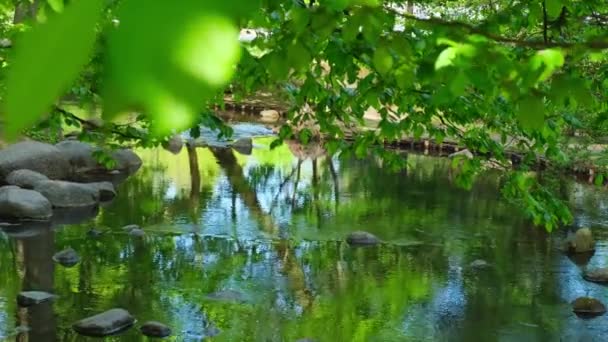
{"type": "Point", "coordinates": [56, 5]}
{"type": "Point", "coordinates": [445, 58]}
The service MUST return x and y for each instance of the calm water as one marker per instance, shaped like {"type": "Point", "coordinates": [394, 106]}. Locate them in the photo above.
{"type": "Point", "coordinates": [266, 231]}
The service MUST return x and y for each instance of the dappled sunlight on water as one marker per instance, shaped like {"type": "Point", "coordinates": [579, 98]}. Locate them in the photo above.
{"type": "Point", "coordinates": [252, 247]}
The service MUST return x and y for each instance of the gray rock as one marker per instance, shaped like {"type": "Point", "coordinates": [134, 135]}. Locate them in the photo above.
{"type": "Point", "coordinates": [80, 157]}
{"type": "Point", "coordinates": [588, 307]}
{"type": "Point", "coordinates": [26, 179]}
{"type": "Point", "coordinates": [67, 257]}
{"type": "Point", "coordinates": [174, 144]}
{"type": "Point", "coordinates": [136, 232]}
{"type": "Point", "coordinates": [74, 215]}
{"type": "Point", "coordinates": [130, 227]}
{"type": "Point", "coordinates": [361, 238]}
{"type": "Point", "coordinates": [243, 146]}
{"type": "Point", "coordinates": [29, 298]}
{"type": "Point", "coordinates": [106, 190]}
{"type": "Point", "coordinates": [126, 160]}
{"type": "Point", "coordinates": [67, 194]}
{"type": "Point", "coordinates": [36, 156]}
{"type": "Point", "coordinates": [479, 264]}
{"type": "Point", "coordinates": [306, 339]}
{"type": "Point", "coordinates": [155, 329]}
{"type": "Point", "coordinates": [16, 203]}
{"type": "Point", "coordinates": [598, 275]}
{"type": "Point", "coordinates": [104, 324]}
{"type": "Point", "coordinates": [580, 242]}
{"type": "Point", "coordinates": [462, 154]}
{"type": "Point", "coordinates": [94, 233]}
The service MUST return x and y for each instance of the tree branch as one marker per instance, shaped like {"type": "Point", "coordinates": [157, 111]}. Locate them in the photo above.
{"type": "Point", "coordinates": [534, 44]}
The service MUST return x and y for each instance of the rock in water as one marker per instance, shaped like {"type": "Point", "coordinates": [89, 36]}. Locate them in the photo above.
{"type": "Point", "coordinates": [243, 146]}
{"type": "Point", "coordinates": [104, 324]}
{"type": "Point", "coordinates": [598, 275]}
{"type": "Point", "coordinates": [29, 298]}
{"type": "Point", "coordinates": [80, 157]}
{"type": "Point", "coordinates": [227, 296]}
{"type": "Point", "coordinates": [136, 232]}
{"type": "Point", "coordinates": [126, 160]}
{"type": "Point", "coordinates": [155, 329]}
{"type": "Point", "coordinates": [130, 227]}
{"type": "Point", "coordinates": [94, 233]}
{"type": "Point", "coordinates": [36, 156]}
{"type": "Point", "coordinates": [67, 257]}
{"type": "Point", "coordinates": [26, 179]}
{"type": "Point", "coordinates": [479, 264]}
{"type": "Point", "coordinates": [580, 242]}
{"type": "Point", "coordinates": [270, 115]}
{"type": "Point", "coordinates": [67, 194]}
{"type": "Point", "coordinates": [588, 307]}
{"type": "Point", "coordinates": [462, 154]}
{"type": "Point", "coordinates": [174, 144]}
{"type": "Point", "coordinates": [105, 189]}
{"type": "Point", "coordinates": [16, 203]}
{"type": "Point", "coordinates": [361, 238]}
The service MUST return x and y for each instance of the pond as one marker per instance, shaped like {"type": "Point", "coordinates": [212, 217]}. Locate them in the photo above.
{"type": "Point", "coordinates": [251, 248]}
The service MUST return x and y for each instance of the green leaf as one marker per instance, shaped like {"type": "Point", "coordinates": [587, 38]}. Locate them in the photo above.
{"type": "Point", "coordinates": [298, 56]}
{"type": "Point", "coordinates": [168, 60]}
{"type": "Point", "coordinates": [56, 5]}
{"type": "Point", "coordinates": [47, 60]}
{"type": "Point", "coordinates": [383, 61]}
{"type": "Point", "coordinates": [445, 58]}
{"type": "Point", "coordinates": [531, 112]}
{"type": "Point", "coordinates": [551, 59]}
{"type": "Point", "coordinates": [405, 77]}
{"type": "Point", "coordinates": [599, 179]}
{"type": "Point", "coordinates": [458, 84]}
{"type": "Point", "coordinates": [554, 8]}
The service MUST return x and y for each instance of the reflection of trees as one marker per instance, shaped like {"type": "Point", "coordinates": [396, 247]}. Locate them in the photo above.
{"type": "Point", "coordinates": [234, 173]}
{"type": "Point", "coordinates": [295, 286]}
{"type": "Point", "coordinates": [36, 254]}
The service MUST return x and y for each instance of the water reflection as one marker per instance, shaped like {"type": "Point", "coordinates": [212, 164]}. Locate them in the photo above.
{"type": "Point", "coordinates": [266, 230]}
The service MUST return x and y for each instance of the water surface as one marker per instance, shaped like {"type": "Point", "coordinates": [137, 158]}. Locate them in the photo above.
{"type": "Point", "coordinates": [250, 248]}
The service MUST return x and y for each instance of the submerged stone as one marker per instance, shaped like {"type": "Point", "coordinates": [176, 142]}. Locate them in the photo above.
{"type": "Point", "coordinates": [588, 307]}
{"type": "Point", "coordinates": [136, 232]}
{"type": "Point", "coordinates": [104, 324]}
{"type": "Point", "coordinates": [479, 264]}
{"type": "Point", "coordinates": [67, 257]}
{"type": "Point", "coordinates": [227, 295]}
{"type": "Point", "coordinates": [361, 238]}
{"type": "Point", "coordinates": [580, 242]}
{"type": "Point", "coordinates": [598, 275]}
{"type": "Point", "coordinates": [155, 329]}
{"type": "Point", "coordinates": [130, 227]}
{"type": "Point", "coordinates": [243, 146]}
{"type": "Point", "coordinates": [29, 298]}
{"type": "Point", "coordinates": [94, 233]}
